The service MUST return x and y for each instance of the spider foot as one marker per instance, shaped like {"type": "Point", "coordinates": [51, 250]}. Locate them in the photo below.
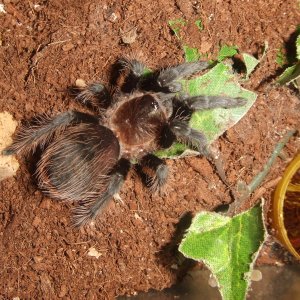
{"type": "Point", "coordinates": [87, 212]}
{"type": "Point", "coordinates": [155, 172]}
{"type": "Point", "coordinates": [167, 78]}
{"type": "Point", "coordinates": [95, 95]}
{"type": "Point", "coordinates": [133, 65]}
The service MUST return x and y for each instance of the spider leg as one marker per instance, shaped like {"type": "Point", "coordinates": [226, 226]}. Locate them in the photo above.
{"type": "Point", "coordinates": [197, 139]}
{"type": "Point", "coordinates": [28, 138]}
{"type": "Point", "coordinates": [167, 78]}
{"type": "Point", "coordinates": [190, 136]}
{"type": "Point", "coordinates": [95, 95]}
{"type": "Point", "coordinates": [208, 102]}
{"type": "Point", "coordinates": [134, 72]}
{"type": "Point", "coordinates": [155, 170]}
{"type": "Point", "coordinates": [87, 212]}
{"type": "Point", "coordinates": [167, 137]}
{"type": "Point", "coordinates": [133, 65]}
{"type": "Point", "coordinates": [186, 106]}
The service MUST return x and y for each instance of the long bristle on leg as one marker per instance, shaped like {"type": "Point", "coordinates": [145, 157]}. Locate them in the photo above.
{"type": "Point", "coordinates": [133, 74]}
{"type": "Point", "coordinates": [42, 131]}
{"type": "Point", "coordinates": [134, 66]}
{"type": "Point", "coordinates": [88, 211]}
{"type": "Point", "coordinates": [76, 164]}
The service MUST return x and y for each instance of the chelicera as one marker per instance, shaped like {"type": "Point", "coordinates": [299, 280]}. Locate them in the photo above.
{"type": "Point", "coordinates": [86, 157]}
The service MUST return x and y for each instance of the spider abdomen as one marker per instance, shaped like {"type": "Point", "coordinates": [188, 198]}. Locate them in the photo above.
{"type": "Point", "coordinates": [76, 165]}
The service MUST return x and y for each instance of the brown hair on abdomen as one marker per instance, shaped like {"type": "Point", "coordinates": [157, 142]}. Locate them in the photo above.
{"type": "Point", "coordinates": [76, 165]}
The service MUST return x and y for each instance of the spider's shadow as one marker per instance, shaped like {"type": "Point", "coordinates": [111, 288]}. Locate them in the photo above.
{"type": "Point", "coordinates": [290, 47]}
{"type": "Point", "coordinates": [169, 254]}
{"type": "Point", "coordinates": [291, 54]}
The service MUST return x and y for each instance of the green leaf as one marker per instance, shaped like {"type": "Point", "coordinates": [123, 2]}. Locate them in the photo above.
{"type": "Point", "coordinates": [177, 25]}
{"type": "Point", "coordinates": [298, 47]}
{"type": "Point", "coordinates": [176, 150]}
{"type": "Point", "coordinates": [290, 74]}
{"type": "Point", "coordinates": [250, 62]}
{"type": "Point", "coordinates": [218, 81]}
{"type": "Point", "coordinates": [280, 57]}
{"type": "Point", "coordinates": [213, 123]}
{"type": "Point", "coordinates": [227, 246]}
{"type": "Point", "coordinates": [199, 24]}
{"type": "Point", "coordinates": [227, 51]}
{"type": "Point", "coordinates": [191, 54]}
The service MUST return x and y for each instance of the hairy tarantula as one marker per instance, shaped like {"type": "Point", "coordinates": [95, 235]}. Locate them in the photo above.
{"type": "Point", "coordinates": [86, 157]}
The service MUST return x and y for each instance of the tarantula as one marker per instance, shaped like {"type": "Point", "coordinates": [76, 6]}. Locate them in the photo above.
{"type": "Point", "coordinates": [86, 157]}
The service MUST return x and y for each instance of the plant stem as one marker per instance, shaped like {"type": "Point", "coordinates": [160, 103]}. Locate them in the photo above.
{"type": "Point", "coordinates": [247, 190]}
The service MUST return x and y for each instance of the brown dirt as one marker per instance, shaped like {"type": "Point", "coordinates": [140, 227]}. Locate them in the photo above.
{"type": "Point", "coordinates": [44, 49]}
